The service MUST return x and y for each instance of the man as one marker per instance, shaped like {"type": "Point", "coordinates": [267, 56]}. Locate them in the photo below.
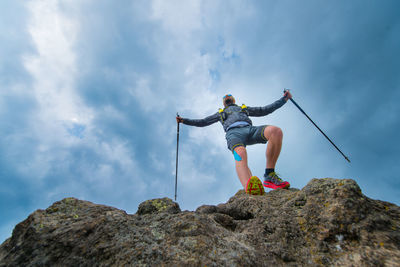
{"type": "Point", "coordinates": [240, 132]}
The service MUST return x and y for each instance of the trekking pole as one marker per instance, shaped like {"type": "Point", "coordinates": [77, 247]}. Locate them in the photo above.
{"type": "Point", "coordinates": [177, 147]}
{"type": "Point", "coordinates": [294, 102]}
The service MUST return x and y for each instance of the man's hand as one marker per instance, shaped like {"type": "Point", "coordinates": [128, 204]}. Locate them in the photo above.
{"type": "Point", "coordinates": [179, 119]}
{"type": "Point", "coordinates": [287, 95]}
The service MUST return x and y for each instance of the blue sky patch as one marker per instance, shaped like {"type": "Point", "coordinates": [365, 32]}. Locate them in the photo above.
{"type": "Point", "coordinates": [77, 130]}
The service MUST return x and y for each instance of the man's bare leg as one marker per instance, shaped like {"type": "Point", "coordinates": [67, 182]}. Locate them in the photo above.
{"type": "Point", "coordinates": [274, 136]}
{"type": "Point", "coordinates": [242, 169]}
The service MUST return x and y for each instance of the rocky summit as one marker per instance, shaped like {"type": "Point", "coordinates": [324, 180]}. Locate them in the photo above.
{"type": "Point", "coordinates": [327, 223]}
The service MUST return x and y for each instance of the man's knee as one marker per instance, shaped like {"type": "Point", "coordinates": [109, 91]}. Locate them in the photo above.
{"type": "Point", "coordinates": [239, 153]}
{"type": "Point", "coordinates": [278, 131]}
{"type": "Point", "coordinates": [273, 132]}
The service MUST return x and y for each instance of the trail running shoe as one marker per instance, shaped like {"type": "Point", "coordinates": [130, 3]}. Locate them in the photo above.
{"type": "Point", "coordinates": [273, 181]}
{"type": "Point", "coordinates": [254, 186]}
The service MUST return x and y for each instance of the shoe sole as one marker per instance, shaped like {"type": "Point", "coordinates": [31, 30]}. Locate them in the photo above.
{"type": "Point", "coordinates": [273, 186]}
{"type": "Point", "coordinates": [255, 187]}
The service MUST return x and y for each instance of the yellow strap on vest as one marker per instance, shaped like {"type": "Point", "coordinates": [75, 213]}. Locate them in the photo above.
{"type": "Point", "coordinates": [222, 110]}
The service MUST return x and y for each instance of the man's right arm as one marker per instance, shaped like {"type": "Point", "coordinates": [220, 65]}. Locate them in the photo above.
{"type": "Point", "coordinates": [201, 122]}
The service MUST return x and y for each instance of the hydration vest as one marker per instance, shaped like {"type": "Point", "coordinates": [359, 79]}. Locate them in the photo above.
{"type": "Point", "coordinates": [224, 115]}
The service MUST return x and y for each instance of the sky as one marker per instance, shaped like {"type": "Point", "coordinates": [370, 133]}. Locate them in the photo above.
{"type": "Point", "coordinates": [89, 91]}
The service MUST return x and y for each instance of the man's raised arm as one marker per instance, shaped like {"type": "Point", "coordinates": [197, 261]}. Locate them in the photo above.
{"type": "Point", "coordinates": [262, 111]}
{"type": "Point", "coordinates": [201, 122]}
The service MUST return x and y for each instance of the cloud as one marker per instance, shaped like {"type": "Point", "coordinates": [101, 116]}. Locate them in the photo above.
{"type": "Point", "coordinates": [180, 18]}
{"type": "Point", "coordinates": [53, 70]}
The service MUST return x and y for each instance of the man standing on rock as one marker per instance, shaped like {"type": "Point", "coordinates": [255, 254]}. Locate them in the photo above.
{"type": "Point", "coordinates": [240, 132]}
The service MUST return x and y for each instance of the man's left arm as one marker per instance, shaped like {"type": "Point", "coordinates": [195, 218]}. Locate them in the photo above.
{"type": "Point", "coordinates": [262, 111]}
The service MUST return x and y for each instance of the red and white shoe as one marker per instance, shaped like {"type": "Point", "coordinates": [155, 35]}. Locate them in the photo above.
{"type": "Point", "coordinates": [273, 181]}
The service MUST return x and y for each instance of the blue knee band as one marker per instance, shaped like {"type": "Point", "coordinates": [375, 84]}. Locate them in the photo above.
{"type": "Point", "coordinates": [237, 157]}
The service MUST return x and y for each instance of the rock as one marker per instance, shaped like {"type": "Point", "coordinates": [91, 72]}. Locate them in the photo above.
{"type": "Point", "coordinates": [157, 206]}
{"type": "Point", "coordinates": [207, 209]}
{"type": "Point", "coordinates": [328, 222]}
